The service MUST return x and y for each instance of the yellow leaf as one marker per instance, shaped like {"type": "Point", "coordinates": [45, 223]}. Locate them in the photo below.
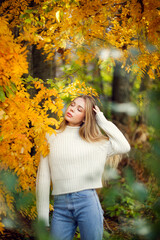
{"type": "Point", "coordinates": [58, 13]}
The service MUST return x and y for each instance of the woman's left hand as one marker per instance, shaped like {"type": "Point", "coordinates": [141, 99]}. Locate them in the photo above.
{"type": "Point", "coordinates": [96, 109]}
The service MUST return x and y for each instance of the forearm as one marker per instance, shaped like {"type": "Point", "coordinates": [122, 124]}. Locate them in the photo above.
{"type": "Point", "coordinates": [43, 190]}
{"type": "Point", "coordinates": [119, 143]}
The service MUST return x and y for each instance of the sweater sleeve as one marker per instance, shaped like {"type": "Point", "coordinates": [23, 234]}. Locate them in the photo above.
{"type": "Point", "coordinates": [43, 190]}
{"type": "Point", "coordinates": [118, 144]}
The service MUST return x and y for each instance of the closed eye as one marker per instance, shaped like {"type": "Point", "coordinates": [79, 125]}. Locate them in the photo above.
{"type": "Point", "coordinates": [80, 109]}
{"type": "Point", "coordinates": [72, 104]}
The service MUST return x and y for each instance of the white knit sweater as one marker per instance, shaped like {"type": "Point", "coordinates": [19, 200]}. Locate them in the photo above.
{"type": "Point", "coordinates": [74, 164]}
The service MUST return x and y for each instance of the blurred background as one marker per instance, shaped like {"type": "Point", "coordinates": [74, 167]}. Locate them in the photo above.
{"type": "Point", "coordinates": [52, 51]}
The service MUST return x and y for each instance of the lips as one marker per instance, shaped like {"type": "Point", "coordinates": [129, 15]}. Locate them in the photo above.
{"type": "Point", "coordinates": [69, 114]}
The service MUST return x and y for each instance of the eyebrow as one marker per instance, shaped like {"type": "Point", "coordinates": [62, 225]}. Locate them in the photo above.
{"type": "Point", "coordinates": [78, 105]}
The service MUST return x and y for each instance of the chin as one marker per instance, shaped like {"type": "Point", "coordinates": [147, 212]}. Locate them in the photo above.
{"type": "Point", "coordinates": [67, 119]}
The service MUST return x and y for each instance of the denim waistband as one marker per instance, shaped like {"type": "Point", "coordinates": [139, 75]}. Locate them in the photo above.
{"type": "Point", "coordinates": [72, 194]}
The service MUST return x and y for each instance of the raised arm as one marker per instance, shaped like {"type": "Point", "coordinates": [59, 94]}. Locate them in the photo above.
{"type": "Point", "coordinates": [118, 143]}
{"type": "Point", "coordinates": [43, 190]}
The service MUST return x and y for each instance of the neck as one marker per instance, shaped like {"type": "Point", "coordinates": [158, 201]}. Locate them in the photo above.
{"type": "Point", "coordinates": [72, 127]}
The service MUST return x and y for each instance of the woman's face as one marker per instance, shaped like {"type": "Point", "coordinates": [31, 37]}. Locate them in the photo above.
{"type": "Point", "coordinates": [75, 113]}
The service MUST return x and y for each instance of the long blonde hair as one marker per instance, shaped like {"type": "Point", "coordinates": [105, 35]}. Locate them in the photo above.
{"type": "Point", "coordinates": [89, 130]}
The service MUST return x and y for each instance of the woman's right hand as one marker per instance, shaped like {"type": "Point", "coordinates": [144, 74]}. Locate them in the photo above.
{"type": "Point", "coordinates": [96, 109]}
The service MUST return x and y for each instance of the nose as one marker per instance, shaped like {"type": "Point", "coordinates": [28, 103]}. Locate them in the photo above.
{"type": "Point", "coordinates": [72, 109]}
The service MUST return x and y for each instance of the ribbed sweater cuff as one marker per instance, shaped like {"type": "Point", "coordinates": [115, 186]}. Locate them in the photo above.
{"type": "Point", "coordinates": [100, 118]}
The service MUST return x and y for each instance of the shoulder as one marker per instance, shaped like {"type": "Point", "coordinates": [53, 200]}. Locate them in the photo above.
{"type": "Point", "coordinates": [50, 137]}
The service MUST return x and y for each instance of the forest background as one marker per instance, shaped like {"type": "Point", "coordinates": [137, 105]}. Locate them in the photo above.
{"type": "Point", "coordinates": [52, 51]}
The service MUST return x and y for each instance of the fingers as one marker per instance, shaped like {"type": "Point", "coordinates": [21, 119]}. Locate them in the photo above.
{"type": "Point", "coordinates": [96, 109]}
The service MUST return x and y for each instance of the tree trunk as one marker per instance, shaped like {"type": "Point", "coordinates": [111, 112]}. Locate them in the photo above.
{"type": "Point", "coordinates": [38, 67]}
{"type": "Point", "coordinates": [41, 68]}
{"type": "Point", "coordinates": [120, 91]}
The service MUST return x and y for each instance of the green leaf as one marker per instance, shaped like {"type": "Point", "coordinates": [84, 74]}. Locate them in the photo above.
{"type": "Point", "coordinates": [25, 200]}
{"type": "Point", "coordinates": [29, 87]}
{"type": "Point", "coordinates": [23, 16]}
{"type": "Point", "coordinates": [140, 191]}
{"type": "Point", "coordinates": [28, 79]}
{"type": "Point", "coordinates": [9, 179]}
{"type": "Point", "coordinates": [28, 20]}
{"type": "Point", "coordinates": [106, 235]}
{"type": "Point", "coordinates": [130, 176]}
{"type": "Point", "coordinates": [2, 94]}
{"type": "Point", "coordinates": [13, 87]}
{"type": "Point", "coordinates": [29, 11]}
{"type": "Point", "coordinates": [9, 91]}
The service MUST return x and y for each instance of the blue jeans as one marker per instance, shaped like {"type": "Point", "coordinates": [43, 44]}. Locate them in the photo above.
{"type": "Point", "coordinates": [81, 209]}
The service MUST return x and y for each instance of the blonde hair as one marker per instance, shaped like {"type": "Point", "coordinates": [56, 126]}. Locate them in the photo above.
{"type": "Point", "coordinates": [89, 130]}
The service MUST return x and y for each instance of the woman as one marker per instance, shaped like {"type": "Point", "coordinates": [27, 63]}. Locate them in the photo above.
{"type": "Point", "coordinates": [75, 165]}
